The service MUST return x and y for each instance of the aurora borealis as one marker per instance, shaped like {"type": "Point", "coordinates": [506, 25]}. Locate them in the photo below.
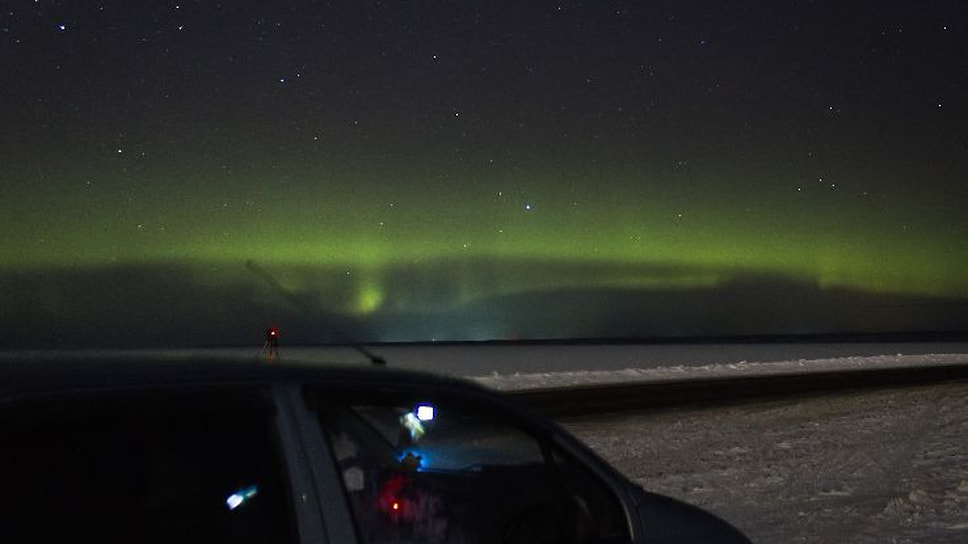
{"type": "Point", "coordinates": [393, 161]}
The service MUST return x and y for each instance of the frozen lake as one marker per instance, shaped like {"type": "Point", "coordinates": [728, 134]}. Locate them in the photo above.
{"type": "Point", "coordinates": [483, 359]}
{"type": "Point", "coordinates": [505, 359]}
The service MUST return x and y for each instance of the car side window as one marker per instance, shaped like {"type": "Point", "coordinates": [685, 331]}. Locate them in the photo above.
{"type": "Point", "coordinates": [143, 468]}
{"type": "Point", "coordinates": [442, 471]}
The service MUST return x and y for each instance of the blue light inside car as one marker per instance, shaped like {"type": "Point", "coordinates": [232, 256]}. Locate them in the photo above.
{"type": "Point", "coordinates": [425, 412]}
{"type": "Point", "coordinates": [238, 498]}
{"type": "Point", "coordinates": [419, 456]}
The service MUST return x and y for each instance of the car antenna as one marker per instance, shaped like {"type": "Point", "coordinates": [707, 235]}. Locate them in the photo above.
{"type": "Point", "coordinates": [298, 303]}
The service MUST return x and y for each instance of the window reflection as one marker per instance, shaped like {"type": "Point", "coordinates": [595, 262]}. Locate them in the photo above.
{"type": "Point", "coordinates": [456, 475]}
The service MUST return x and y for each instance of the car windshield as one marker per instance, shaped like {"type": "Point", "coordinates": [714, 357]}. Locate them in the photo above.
{"type": "Point", "coordinates": [188, 173]}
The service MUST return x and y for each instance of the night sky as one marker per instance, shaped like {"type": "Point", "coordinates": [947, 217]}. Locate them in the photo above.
{"type": "Point", "coordinates": [466, 170]}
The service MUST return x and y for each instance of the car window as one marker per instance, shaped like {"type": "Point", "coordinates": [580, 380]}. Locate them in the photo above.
{"type": "Point", "coordinates": [142, 468]}
{"type": "Point", "coordinates": [439, 471]}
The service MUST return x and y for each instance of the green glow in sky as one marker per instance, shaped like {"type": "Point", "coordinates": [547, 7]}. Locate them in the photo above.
{"type": "Point", "coordinates": [829, 237]}
{"type": "Point", "coordinates": [481, 170]}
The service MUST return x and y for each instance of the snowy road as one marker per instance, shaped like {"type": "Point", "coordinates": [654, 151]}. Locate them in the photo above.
{"type": "Point", "coordinates": [876, 466]}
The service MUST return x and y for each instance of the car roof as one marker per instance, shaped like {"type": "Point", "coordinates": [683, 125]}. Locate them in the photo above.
{"type": "Point", "coordinates": [37, 373]}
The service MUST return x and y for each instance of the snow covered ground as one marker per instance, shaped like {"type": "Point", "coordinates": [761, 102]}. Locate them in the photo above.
{"type": "Point", "coordinates": [876, 466]}
{"type": "Point", "coordinates": [887, 465]}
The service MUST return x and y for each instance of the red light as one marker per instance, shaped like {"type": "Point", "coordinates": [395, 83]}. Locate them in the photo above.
{"type": "Point", "coordinates": [395, 506]}
{"type": "Point", "coordinates": [273, 333]}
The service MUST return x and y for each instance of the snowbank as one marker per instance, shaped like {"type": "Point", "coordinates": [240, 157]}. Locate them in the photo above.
{"type": "Point", "coordinates": [521, 381]}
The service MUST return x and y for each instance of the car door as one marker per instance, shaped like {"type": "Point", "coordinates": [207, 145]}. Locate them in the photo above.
{"type": "Point", "coordinates": [144, 465]}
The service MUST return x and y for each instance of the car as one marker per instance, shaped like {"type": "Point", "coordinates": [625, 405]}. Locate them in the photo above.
{"type": "Point", "coordinates": [152, 449]}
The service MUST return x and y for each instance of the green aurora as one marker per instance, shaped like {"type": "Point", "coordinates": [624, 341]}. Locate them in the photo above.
{"type": "Point", "coordinates": [481, 170]}
{"type": "Point", "coordinates": [367, 223]}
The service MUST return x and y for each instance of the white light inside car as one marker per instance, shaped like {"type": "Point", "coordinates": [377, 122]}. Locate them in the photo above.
{"type": "Point", "coordinates": [425, 412]}
{"type": "Point", "coordinates": [236, 499]}
{"type": "Point", "coordinates": [413, 424]}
